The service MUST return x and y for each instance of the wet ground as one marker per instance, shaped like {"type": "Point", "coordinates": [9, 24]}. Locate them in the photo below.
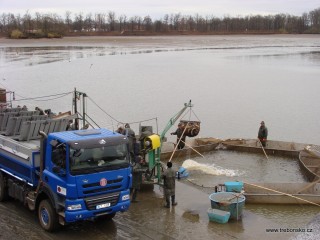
{"type": "Point", "coordinates": [147, 219]}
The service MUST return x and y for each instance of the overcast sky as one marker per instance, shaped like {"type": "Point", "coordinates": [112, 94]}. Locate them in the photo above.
{"type": "Point", "coordinates": [156, 9]}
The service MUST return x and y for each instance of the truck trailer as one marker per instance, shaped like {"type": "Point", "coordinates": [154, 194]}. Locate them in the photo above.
{"type": "Point", "coordinates": [65, 176]}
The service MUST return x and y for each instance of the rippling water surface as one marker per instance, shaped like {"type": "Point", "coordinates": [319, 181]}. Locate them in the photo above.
{"type": "Point", "coordinates": [233, 81]}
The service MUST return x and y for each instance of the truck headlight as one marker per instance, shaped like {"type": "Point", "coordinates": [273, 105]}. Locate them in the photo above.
{"type": "Point", "coordinates": [74, 207]}
{"type": "Point", "coordinates": [125, 197]}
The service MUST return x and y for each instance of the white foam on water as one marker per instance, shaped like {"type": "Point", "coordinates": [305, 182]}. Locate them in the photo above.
{"type": "Point", "coordinates": [209, 169]}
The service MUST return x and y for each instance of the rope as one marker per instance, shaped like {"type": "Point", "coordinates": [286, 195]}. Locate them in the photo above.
{"type": "Point", "coordinates": [36, 98]}
{"type": "Point", "coordinates": [195, 115]}
{"type": "Point", "coordinates": [186, 114]}
{"type": "Point", "coordinates": [192, 148]}
{"type": "Point", "coordinates": [103, 110]}
{"type": "Point", "coordinates": [140, 121]}
{"type": "Point", "coordinates": [116, 120]}
{"type": "Point", "coordinates": [287, 194]}
{"type": "Point", "coordinates": [198, 184]}
{"type": "Point", "coordinates": [175, 148]}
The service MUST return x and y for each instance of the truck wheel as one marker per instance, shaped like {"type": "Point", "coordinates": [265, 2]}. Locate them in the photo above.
{"type": "Point", "coordinates": [47, 216]}
{"type": "Point", "coordinates": [3, 189]}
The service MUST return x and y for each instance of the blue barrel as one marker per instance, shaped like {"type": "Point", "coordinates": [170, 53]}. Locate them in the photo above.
{"type": "Point", "coordinates": [228, 201]}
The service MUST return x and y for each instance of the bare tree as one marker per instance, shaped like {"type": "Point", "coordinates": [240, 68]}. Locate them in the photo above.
{"type": "Point", "coordinates": [112, 20]}
{"type": "Point", "coordinates": [147, 22]}
{"type": "Point", "coordinates": [78, 22]}
{"type": "Point", "coordinates": [123, 23]}
{"type": "Point", "coordinates": [68, 20]}
{"type": "Point", "coordinates": [103, 22]}
{"type": "Point", "coordinates": [99, 22]}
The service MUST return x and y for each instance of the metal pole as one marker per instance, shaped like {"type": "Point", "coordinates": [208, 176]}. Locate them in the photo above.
{"type": "Point", "coordinates": [83, 109]}
{"type": "Point", "coordinates": [75, 109]}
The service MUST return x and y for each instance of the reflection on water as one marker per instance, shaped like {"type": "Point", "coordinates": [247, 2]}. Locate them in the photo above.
{"type": "Point", "coordinates": [36, 55]}
{"type": "Point", "coordinates": [291, 216]}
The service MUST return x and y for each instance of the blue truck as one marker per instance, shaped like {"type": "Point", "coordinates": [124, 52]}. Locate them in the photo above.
{"type": "Point", "coordinates": [65, 176]}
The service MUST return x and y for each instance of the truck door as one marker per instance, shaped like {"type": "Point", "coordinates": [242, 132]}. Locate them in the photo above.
{"type": "Point", "coordinates": [55, 174]}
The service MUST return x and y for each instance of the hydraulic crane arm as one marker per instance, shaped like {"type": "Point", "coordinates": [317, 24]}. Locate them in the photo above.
{"type": "Point", "coordinates": [173, 120]}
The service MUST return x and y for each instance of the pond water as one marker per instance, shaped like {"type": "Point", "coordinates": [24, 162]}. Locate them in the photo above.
{"type": "Point", "coordinates": [234, 82]}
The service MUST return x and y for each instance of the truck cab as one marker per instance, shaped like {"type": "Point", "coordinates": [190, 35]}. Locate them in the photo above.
{"type": "Point", "coordinates": [87, 174]}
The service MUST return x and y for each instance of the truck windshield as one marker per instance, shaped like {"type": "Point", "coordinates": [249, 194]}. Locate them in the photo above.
{"type": "Point", "coordinates": [98, 159]}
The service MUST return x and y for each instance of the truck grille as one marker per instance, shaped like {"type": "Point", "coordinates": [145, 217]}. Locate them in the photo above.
{"type": "Point", "coordinates": [99, 190]}
{"type": "Point", "coordinates": [93, 188]}
{"type": "Point", "coordinates": [92, 203]}
{"type": "Point", "coordinates": [97, 184]}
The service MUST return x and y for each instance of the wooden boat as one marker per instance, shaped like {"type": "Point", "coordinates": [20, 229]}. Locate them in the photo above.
{"type": "Point", "coordinates": [284, 193]}
{"type": "Point", "coordinates": [309, 160]}
{"type": "Point", "coordinates": [279, 148]}
{"type": "Point", "coordinates": [192, 148]}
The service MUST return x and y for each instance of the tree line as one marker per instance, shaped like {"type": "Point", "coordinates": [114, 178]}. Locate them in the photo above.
{"type": "Point", "coordinates": [53, 25]}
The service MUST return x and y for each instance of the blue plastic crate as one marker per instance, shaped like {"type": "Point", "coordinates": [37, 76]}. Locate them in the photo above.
{"type": "Point", "coordinates": [233, 186]}
{"type": "Point", "coordinates": [219, 216]}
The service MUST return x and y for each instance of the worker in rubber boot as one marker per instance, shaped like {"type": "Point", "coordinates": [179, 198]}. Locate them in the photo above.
{"type": "Point", "coordinates": [137, 172]}
{"type": "Point", "coordinates": [263, 134]}
{"type": "Point", "coordinates": [180, 135]}
{"type": "Point", "coordinates": [169, 185]}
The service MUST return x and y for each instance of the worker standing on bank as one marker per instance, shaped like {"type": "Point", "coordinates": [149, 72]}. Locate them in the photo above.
{"type": "Point", "coordinates": [169, 185]}
{"type": "Point", "coordinates": [263, 134]}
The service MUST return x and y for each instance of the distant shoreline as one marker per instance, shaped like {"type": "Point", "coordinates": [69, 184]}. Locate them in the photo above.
{"type": "Point", "coordinates": [171, 33]}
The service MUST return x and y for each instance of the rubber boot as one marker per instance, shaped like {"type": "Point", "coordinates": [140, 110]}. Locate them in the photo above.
{"type": "Point", "coordinates": [174, 203]}
{"type": "Point", "coordinates": [134, 196]}
{"type": "Point", "coordinates": [168, 202]}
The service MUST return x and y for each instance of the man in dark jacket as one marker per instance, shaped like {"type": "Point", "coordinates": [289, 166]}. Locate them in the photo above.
{"type": "Point", "coordinates": [179, 132]}
{"type": "Point", "coordinates": [137, 172]}
{"type": "Point", "coordinates": [263, 134]}
{"type": "Point", "coordinates": [169, 185]}
{"type": "Point", "coordinates": [132, 138]}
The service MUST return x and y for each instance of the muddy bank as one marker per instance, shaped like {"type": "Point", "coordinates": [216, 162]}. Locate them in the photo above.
{"type": "Point", "coordinates": [147, 219]}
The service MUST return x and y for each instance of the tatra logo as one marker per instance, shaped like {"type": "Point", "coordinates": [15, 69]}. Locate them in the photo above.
{"type": "Point", "coordinates": [102, 141]}
{"type": "Point", "coordinates": [103, 182]}
{"type": "Point", "coordinates": [85, 181]}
